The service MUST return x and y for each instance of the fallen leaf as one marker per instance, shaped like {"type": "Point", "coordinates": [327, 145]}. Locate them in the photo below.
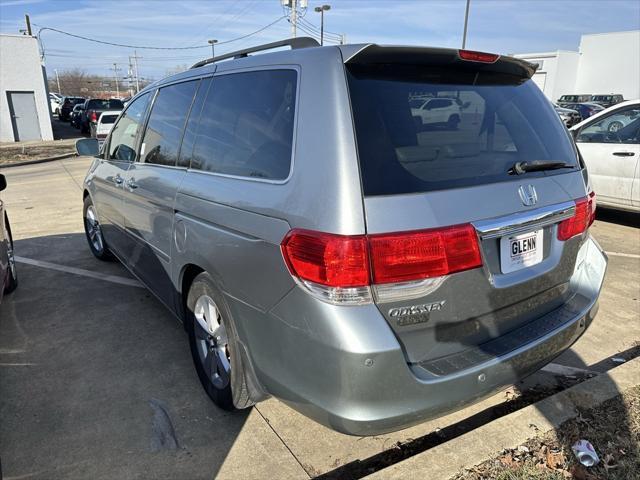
{"type": "Point", "coordinates": [555, 460]}
{"type": "Point", "coordinates": [507, 460]}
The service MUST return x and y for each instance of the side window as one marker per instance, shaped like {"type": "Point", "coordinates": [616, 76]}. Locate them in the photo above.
{"type": "Point", "coordinates": [622, 126]}
{"type": "Point", "coordinates": [163, 135]}
{"type": "Point", "coordinates": [123, 136]}
{"type": "Point", "coordinates": [189, 137]}
{"type": "Point", "coordinates": [246, 125]}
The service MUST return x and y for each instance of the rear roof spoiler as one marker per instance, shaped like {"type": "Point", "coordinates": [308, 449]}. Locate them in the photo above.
{"type": "Point", "coordinates": [368, 54]}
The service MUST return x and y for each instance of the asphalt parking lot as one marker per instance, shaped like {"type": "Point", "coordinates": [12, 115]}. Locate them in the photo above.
{"type": "Point", "coordinates": [96, 379]}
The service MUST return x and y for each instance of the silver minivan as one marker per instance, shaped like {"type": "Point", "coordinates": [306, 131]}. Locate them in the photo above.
{"type": "Point", "coordinates": [370, 267]}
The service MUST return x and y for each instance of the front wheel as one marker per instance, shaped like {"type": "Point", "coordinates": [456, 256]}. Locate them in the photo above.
{"type": "Point", "coordinates": [11, 282]}
{"type": "Point", "coordinates": [93, 231]}
{"type": "Point", "coordinates": [214, 346]}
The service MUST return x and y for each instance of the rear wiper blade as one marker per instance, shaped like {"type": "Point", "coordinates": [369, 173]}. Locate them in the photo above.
{"type": "Point", "coordinates": [536, 166]}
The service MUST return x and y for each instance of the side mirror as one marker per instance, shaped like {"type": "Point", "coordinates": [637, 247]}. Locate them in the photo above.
{"type": "Point", "coordinates": [87, 147]}
{"type": "Point", "coordinates": [3, 182]}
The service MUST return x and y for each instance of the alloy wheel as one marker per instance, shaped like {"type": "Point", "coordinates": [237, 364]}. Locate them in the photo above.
{"type": "Point", "coordinates": [212, 342]}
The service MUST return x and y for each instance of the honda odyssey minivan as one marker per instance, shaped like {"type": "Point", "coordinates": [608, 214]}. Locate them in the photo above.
{"type": "Point", "coordinates": [322, 247]}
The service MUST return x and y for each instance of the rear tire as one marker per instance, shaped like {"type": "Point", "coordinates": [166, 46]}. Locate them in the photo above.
{"type": "Point", "coordinates": [453, 122]}
{"type": "Point", "coordinates": [93, 232]}
{"type": "Point", "coordinates": [214, 346]}
{"type": "Point", "coordinates": [11, 282]}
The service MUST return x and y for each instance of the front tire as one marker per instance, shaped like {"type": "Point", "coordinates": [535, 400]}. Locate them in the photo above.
{"type": "Point", "coordinates": [93, 231]}
{"type": "Point", "coordinates": [214, 346]}
{"type": "Point", "coordinates": [11, 282]}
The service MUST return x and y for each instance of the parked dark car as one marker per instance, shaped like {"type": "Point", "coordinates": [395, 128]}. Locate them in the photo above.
{"type": "Point", "coordinates": [8, 274]}
{"type": "Point", "coordinates": [574, 98]}
{"type": "Point", "coordinates": [584, 109]}
{"type": "Point", "coordinates": [568, 116]}
{"type": "Point", "coordinates": [67, 106]}
{"type": "Point", "coordinates": [607, 100]}
{"type": "Point", "coordinates": [93, 107]}
{"type": "Point", "coordinates": [76, 115]}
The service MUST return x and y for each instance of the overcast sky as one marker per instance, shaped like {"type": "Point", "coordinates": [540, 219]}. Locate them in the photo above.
{"type": "Point", "coordinates": [501, 26]}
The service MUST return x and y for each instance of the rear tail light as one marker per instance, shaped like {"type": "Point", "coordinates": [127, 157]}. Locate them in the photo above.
{"type": "Point", "coordinates": [478, 56]}
{"type": "Point", "coordinates": [341, 268]}
{"type": "Point", "coordinates": [582, 219]}
{"type": "Point", "coordinates": [401, 257]}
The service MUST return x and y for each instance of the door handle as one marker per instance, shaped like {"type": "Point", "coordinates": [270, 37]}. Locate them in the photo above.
{"type": "Point", "coordinates": [131, 183]}
{"type": "Point", "coordinates": [624, 154]}
{"type": "Point", "coordinates": [118, 180]}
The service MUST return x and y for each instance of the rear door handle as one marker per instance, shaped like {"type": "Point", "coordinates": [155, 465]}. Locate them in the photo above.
{"type": "Point", "coordinates": [118, 180]}
{"type": "Point", "coordinates": [624, 154]}
{"type": "Point", "coordinates": [131, 183]}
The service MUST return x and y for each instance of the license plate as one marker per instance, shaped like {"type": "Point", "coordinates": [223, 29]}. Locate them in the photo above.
{"type": "Point", "coordinates": [520, 251]}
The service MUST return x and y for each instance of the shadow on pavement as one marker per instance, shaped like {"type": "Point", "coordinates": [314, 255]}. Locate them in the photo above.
{"type": "Point", "coordinates": [96, 378]}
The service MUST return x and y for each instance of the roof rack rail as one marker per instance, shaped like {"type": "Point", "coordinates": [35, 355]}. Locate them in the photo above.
{"type": "Point", "coordinates": [294, 43]}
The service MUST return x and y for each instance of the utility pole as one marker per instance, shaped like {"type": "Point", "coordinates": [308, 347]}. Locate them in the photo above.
{"type": "Point", "coordinates": [135, 67]}
{"type": "Point", "coordinates": [321, 10]}
{"type": "Point", "coordinates": [294, 18]}
{"type": "Point", "coordinates": [28, 22]}
{"type": "Point", "coordinates": [115, 77]}
{"type": "Point", "coordinates": [57, 80]}
{"type": "Point", "coordinates": [212, 42]}
{"type": "Point", "coordinates": [293, 6]}
{"type": "Point", "coordinates": [466, 21]}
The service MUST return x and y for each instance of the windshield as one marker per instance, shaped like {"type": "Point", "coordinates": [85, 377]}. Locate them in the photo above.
{"type": "Point", "coordinates": [495, 121]}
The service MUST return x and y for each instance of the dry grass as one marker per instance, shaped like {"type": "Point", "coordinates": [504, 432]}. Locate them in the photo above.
{"type": "Point", "coordinates": [613, 428]}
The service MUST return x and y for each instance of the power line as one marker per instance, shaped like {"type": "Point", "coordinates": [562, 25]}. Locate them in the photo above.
{"type": "Point", "coordinates": [143, 47]}
{"type": "Point", "coordinates": [311, 26]}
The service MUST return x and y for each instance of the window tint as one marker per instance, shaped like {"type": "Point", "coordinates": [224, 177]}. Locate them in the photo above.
{"type": "Point", "coordinates": [164, 129]}
{"type": "Point", "coordinates": [97, 104]}
{"type": "Point", "coordinates": [622, 126]}
{"type": "Point", "coordinates": [486, 123]}
{"type": "Point", "coordinates": [107, 118]}
{"type": "Point", "coordinates": [189, 137]}
{"type": "Point", "coordinates": [123, 135]}
{"type": "Point", "coordinates": [246, 125]}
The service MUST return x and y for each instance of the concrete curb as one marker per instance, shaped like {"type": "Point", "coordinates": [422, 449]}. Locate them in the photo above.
{"type": "Point", "coordinates": [39, 160]}
{"type": "Point", "coordinates": [484, 443]}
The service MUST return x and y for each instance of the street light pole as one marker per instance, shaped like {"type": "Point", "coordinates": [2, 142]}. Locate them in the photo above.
{"type": "Point", "coordinates": [466, 21]}
{"type": "Point", "coordinates": [212, 42]}
{"type": "Point", "coordinates": [321, 10]}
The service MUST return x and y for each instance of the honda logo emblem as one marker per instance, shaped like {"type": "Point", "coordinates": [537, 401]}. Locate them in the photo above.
{"type": "Point", "coordinates": [528, 195]}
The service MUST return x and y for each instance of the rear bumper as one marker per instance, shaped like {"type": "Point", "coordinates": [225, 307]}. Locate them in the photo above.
{"type": "Point", "coordinates": [357, 381]}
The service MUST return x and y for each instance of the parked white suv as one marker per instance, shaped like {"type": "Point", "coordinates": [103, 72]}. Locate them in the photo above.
{"type": "Point", "coordinates": [436, 111]}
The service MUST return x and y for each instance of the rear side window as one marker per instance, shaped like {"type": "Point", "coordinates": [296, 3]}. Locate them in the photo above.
{"type": "Point", "coordinates": [164, 130]}
{"type": "Point", "coordinates": [246, 125]}
{"type": "Point", "coordinates": [421, 128]}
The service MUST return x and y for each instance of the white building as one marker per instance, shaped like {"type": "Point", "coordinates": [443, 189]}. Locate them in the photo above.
{"type": "Point", "coordinates": [24, 99]}
{"type": "Point", "coordinates": [604, 63]}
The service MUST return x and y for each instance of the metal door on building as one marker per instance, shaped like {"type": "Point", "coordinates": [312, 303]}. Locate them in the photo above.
{"type": "Point", "coordinates": [24, 116]}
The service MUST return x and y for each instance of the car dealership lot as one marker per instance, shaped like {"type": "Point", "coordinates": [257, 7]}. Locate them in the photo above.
{"type": "Point", "coordinates": [96, 379]}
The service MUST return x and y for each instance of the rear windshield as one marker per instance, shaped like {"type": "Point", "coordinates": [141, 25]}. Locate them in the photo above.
{"type": "Point", "coordinates": [421, 128]}
{"type": "Point", "coordinates": [108, 118]}
{"type": "Point", "coordinates": [105, 105]}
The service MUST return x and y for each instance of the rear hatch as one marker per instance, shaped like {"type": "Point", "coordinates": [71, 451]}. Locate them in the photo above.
{"type": "Point", "coordinates": [421, 175]}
